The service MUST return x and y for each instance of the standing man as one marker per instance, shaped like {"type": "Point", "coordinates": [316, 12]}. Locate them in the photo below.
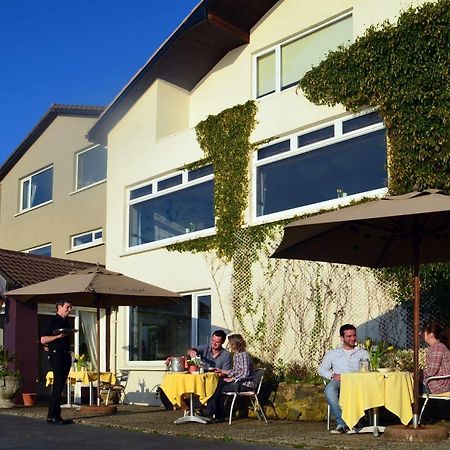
{"type": "Point", "coordinates": [58, 343]}
{"type": "Point", "coordinates": [337, 361]}
{"type": "Point", "coordinates": [213, 354]}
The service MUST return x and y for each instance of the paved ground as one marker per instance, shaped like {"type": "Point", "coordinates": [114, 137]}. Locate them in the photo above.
{"type": "Point", "coordinates": [161, 432]}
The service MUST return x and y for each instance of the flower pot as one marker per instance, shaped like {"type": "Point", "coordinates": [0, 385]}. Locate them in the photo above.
{"type": "Point", "coordinates": [9, 387]}
{"type": "Point", "coordinates": [29, 399]}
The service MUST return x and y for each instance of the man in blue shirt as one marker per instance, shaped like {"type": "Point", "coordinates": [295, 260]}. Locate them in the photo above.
{"type": "Point", "coordinates": [337, 361]}
{"type": "Point", "coordinates": [213, 354]}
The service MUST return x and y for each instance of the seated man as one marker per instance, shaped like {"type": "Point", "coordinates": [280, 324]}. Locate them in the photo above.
{"type": "Point", "coordinates": [213, 355]}
{"type": "Point", "coordinates": [337, 361]}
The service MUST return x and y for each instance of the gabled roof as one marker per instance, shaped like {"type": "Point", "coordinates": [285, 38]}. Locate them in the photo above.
{"type": "Point", "coordinates": [22, 269]}
{"type": "Point", "coordinates": [54, 111]}
{"type": "Point", "coordinates": [212, 29]}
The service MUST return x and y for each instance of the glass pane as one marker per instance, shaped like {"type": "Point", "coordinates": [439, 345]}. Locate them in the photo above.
{"type": "Point", "coordinates": [42, 251]}
{"type": "Point", "coordinates": [201, 172]}
{"type": "Point", "coordinates": [25, 194]}
{"type": "Point", "coordinates": [266, 74]}
{"type": "Point", "coordinates": [41, 187]}
{"type": "Point", "coordinates": [91, 167]}
{"type": "Point", "coordinates": [170, 182]}
{"type": "Point", "coordinates": [274, 149]}
{"type": "Point", "coordinates": [158, 332]}
{"type": "Point", "coordinates": [98, 234]}
{"type": "Point", "coordinates": [174, 214]}
{"type": "Point", "coordinates": [83, 239]}
{"type": "Point", "coordinates": [345, 168]}
{"type": "Point", "coordinates": [204, 319]}
{"type": "Point", "coordinates": [362, 121]}
{"type": "Point", "coordinates": [297, 57]}
{"type": "Point", "coordinates": [140, 192]}
{"type": "Point", "coordinates": [315, 136]}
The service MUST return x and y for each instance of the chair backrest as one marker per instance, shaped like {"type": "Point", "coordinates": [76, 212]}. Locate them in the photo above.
{"type": "Point", "coordinates": [259, 377]}
{"type": "Point", "coordinates": [122, 377]}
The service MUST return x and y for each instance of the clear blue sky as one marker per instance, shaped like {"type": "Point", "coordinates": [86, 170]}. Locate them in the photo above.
{"type": "Point", "coordinates": [73, 52]}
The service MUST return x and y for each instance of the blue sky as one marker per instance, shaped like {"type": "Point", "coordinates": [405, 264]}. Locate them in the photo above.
{"type": "Point", "coordinates": [73, 52]}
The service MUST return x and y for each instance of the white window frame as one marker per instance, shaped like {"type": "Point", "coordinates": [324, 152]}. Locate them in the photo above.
{"type": "Point", "coordinates": [339, 136]}
{"type": "Point", "coordinates": [185, 183]}
{"type": "Point", "coordinates": [157, 363]}
{"type": "Point", "coordinates": [30, 250]}
{"type": "Point", "coordinates": [29, 178]}
{"type": "Point", "coordinates": [94, 242]}
{"type": "Point", "coordinates": [78, 189]}
{"type": "Point", "coordinates": [277, 49]}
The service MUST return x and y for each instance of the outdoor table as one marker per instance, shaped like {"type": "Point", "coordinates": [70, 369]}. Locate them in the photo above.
{"type": "Point", "coordinates": [84, 377]}
{"type": "Point", "coordinates": [370, 390]}
{"type": "Point", "coordinates": [175, 385]}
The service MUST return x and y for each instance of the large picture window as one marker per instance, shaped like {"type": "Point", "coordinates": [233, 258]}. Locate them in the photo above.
{"type": "Point", "coordinates": [346, 158]}
{"type": "Point", "coordinates": [177, 205]}
{"type": "Point", "coordinates": [158, 332]}
{"type": "Point", "coordinates": [91, 166]}
{"type": "Point", "coordinates": [36, 189]}
{"type": "Point", "coordinates": [282, 66]}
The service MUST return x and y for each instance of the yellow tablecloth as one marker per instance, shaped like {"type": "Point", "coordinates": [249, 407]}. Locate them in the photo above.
{"type": "Point", "coordinates": [84, 376]}
{"type": "Point", "coordinates": [365, 390]}
{"type": "Point", "coordinates": [175, 385]}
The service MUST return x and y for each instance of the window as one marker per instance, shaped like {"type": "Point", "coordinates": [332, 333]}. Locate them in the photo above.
{"type": "Point", "coordinates": [91, 166]}
{"type": "Point", "coordinates": [43, 250]}
{"type": "Point", "coordinates": [322, 165]}
{"type": "Point", "coordinates": [173, 206]}
{"type": "Point", "coordinates": [282, 66]}
{"type": "Point", "coordinates": [87, 239]}
{"type": "Point", "coordinates": [158, 332]}
{"type": "Point", "coordinates": [36, 189]}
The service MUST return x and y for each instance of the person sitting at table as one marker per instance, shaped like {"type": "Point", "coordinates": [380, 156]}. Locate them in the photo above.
{"type": "Point", "coordinates": [57, 338]}
{"type": "Point", "coordinates": [213, 355]}
{"type": "Point", "coordinates": [343, 359]}
{"type": "Point", "coordinates": [238, 379]}
{"type": "Point", "coordinates": [438, 357]}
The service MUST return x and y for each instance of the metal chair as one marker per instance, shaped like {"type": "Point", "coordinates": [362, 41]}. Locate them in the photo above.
{"type": "Point", "coordinates": [118, 387]}
{"type": "Point", "coordinates": [325, 382]}
{"type": "Point", "coordinates": [251, 395]}
{"type": "Point", "coordinates": [428, 396]}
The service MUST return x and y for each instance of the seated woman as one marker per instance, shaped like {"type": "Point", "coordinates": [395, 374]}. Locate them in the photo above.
{"type": "Point", "coordinates": [240, 378]}
{"type": "Point", "coordinates": [438, 357]}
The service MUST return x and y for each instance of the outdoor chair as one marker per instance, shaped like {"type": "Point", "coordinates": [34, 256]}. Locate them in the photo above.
{"type": "Point", "coordinates": [118, 388]}
{"type": "Point", "coordinates": [428, 396]}
{"type": "Point", "coordinates": [251, 395]}
{"type": "Point", "coordinates": [325, 381]}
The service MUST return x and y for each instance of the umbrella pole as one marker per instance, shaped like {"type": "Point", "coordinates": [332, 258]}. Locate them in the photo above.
{"type": "Point", "coordinates": [416, 306]}
{"type": "Point", "coordinates": [98, 355]}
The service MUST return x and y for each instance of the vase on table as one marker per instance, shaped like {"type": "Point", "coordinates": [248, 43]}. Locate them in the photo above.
{"type": "Point", "coordinates": [78, 366]}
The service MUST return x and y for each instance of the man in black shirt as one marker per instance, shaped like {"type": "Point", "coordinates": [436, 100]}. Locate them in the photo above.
{"type": "Point", "coordinates": [58, 343]}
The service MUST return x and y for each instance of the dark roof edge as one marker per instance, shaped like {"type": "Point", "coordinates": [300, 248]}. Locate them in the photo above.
{"type": "Point", "coordinates": [55, 110]}
{"type": "Point", "coordinates": [197, 15]}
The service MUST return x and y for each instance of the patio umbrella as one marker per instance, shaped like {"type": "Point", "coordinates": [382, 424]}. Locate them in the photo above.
{"type": "Point", "coordinates": [96, 287]}
{"type": "Point", "coordinates": [409, 229]}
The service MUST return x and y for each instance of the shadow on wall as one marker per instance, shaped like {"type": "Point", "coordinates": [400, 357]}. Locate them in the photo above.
{"type": "Point", "coordinates": [145, 396]}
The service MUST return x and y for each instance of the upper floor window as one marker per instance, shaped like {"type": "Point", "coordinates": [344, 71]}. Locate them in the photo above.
{"type": "Point", "coordinates": [344, 158]}
{"type": "Point", "coordinates": [87, 239]}
{"type": "Point", "coordinates": [42, 250]}
{"type": "Point", "coordinates": [180, 204]}
{"type": "Point", "coordinates": [282, 66]}
{"type": "Point", "coordinates": [36, 189]}
{"type": "Point", "coordinates": [91, 166]}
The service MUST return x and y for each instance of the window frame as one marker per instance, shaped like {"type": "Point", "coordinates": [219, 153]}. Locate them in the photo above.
{"type": "Point", "coordinates": [194, 320]}
{"type": "Point", "coordinates": [93, 147]}
{"type": "Point", "coordinates": [277, 49]}
{"type": "Point", "coordinates": [156, 193]}
{"type": "Point", "coordinates": [38, 247]}
{"type": "Point", "coordinates": [93, 243]}
{"type": "Point", "coordinates": [21, 190]}
{"type": "Point", "coordinates": [294, 150]}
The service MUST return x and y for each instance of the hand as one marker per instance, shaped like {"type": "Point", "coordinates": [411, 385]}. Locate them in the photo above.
{"type": "Point", "coordinates": [192, 353]}
{"type": "Point", "coordinates": [228, 380]}
{"type": "Point", "coordinates": [336, 377]}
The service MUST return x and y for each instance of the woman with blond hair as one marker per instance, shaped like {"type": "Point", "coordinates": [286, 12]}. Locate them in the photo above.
{"type": "Point", "coordinates": [240, 378]}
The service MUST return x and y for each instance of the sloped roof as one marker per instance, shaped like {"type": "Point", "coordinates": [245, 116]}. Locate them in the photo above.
{"type": "Point", "coordinates": [23, 269]}
{"type": "Point", "coordinates": [212, 29]}
{"type": "Point", "coordinates": [54, 111]}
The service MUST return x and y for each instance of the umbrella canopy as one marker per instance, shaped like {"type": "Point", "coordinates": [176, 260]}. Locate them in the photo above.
{"type": "Point", "coordinates": [409, 229]}
{"type": "Point", "coordinates": [97, 287]}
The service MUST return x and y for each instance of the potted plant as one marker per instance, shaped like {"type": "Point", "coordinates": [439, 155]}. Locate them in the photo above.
{"type": "Point", "coordinates": [10, 381]}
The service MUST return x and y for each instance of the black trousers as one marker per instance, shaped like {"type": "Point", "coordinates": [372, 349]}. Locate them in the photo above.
{"type": "Point", "coordinates": [60, 363]}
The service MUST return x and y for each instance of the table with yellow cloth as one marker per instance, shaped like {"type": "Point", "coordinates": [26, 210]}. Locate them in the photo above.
{"type": "Point", "coordinates": [369, 390]}
{"type": "Point", "coordinates": [176, 385]}
{"type": "Point", "coordinates": [85, 377]}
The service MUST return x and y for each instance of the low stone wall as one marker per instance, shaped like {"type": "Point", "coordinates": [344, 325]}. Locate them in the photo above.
{"type": "Point", "coordinates": [294, 401]}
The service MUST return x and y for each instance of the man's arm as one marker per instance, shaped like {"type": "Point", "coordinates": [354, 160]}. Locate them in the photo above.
{"type": "Point", "coordinates": [45, 340]}
{"type": "Point", "coordinates": [325, 367]}
{"type": "Point", "coordinates": [228, 362]}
